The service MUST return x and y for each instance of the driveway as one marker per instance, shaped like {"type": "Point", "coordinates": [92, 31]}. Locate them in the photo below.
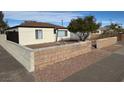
{"type": "Point", "coordinates": [109, 69]}
{"type": "Point", "coordinates": [11, 69]}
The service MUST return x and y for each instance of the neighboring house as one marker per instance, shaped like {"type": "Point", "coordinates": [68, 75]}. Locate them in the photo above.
{"type": "Point", "coordinates": [91, 35]}
{"type": "Point", "coordinates": [32, 32]}
{"type": "Point", "coordinates": [96, 33]}
{"type": "Point", "coordinates": [101, 30]}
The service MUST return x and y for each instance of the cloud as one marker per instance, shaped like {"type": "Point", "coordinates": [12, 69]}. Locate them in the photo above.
{"type": "Point", "coordinates": [55, 17]}
{"type": "Point", "coordinates": [43, 16]}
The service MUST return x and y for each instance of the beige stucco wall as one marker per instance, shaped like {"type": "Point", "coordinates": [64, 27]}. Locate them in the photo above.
{"type": "Point", "coordinates": [105, 42]}
{"type": "Point", "coordinates": [27, 36]}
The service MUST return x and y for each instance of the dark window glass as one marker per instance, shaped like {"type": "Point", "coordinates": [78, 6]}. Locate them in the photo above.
{"type": "Point", "coordinates": [54, 31]}
{"type": "Point", "coordinates": [38, 34]}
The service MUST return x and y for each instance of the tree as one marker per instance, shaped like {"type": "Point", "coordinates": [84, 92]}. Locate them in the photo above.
{"type": "Point", "coordinates": [3, 24]}
{"type": "Point", "coordinates": [115, 28]}
{"type": "Point", "coordinates": [83, 26]}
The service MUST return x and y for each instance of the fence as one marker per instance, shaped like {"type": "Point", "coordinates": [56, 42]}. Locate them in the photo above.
{"type": "Point", "coordinates": [50, 55]}
{"type": "Point", "coordinates": [105, 42]}
{"type": "Point", "coordinates": [22, 54]}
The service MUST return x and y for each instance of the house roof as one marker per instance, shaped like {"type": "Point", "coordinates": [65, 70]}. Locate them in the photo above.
{"type": "Point", "coordinates": [39, 25]}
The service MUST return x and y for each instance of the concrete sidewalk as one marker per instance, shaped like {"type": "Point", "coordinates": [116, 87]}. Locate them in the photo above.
{"type": "Point", "coordinates": [109, 69]}
{"type": "Point", "coordinates": [11, 69]}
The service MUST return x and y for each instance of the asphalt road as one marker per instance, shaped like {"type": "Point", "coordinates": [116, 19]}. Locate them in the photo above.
{"type": "Point", "coordinates": [110, 69]}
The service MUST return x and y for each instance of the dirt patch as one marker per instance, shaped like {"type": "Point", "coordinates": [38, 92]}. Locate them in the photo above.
{"type": "Point", "coordinates": [34, 46]}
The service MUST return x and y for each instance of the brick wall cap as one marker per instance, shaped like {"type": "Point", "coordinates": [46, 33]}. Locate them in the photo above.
{"type": "Point", "coordinates": [60, 46]}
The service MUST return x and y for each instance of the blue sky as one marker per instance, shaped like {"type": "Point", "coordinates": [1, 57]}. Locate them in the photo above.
{"type": "Point", "coordinates": [16, 17]}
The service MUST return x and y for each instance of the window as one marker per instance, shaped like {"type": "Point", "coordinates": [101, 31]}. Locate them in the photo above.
{"type": "Point", "coordinates": [54, 31]}
{"type": "Point", "coordinates": [62, 33]}
{"type": "Point", "coordinates": [39, 34]}
{"type": "Point", "coordinates": [66, 33]}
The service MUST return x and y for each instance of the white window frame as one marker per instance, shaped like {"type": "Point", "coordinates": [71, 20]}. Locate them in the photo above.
{"type": "Point", "coordinates": [65, 34]}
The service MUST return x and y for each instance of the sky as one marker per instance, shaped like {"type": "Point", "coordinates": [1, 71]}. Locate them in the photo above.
{"type": "Point", "coordinates": [105, 17]}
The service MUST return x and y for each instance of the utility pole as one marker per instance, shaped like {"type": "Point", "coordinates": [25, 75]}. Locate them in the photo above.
{"type": "Point", "coordinates": [62, 22]}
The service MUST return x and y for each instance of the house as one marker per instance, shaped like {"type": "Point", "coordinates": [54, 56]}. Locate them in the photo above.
{"type": "Point", "coordinates": [103, 29]}
{"type": "Point", "coordinates": [32, 32]}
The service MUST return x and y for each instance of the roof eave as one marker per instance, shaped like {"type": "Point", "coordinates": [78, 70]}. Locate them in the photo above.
{"type": "Point", "coordinates": [34, 27]}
